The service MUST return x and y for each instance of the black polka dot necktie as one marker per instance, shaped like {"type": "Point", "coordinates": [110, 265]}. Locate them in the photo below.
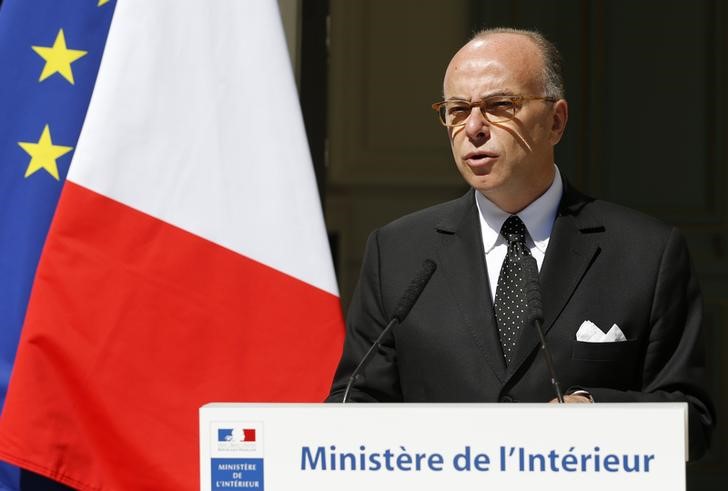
{"type": "Point", "coordinates": [510, 295]}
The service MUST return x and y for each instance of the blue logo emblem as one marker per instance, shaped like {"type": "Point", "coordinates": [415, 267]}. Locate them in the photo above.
{"type": "Point", "coordinates": [224, 434]}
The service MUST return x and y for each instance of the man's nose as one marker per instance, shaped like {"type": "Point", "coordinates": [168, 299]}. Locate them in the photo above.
{"type": "Point", "coordinates": [476, 126]}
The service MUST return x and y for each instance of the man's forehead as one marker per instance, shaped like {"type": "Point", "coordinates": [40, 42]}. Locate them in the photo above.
{"type": "Point", "coordinates": [498, 62]}
{"type": "Point", "coordinates": [479, 83]}
{"type": "Point", "coordinates": [506, 50]}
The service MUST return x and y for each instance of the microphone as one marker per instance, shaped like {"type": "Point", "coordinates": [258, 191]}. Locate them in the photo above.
{"type": "Point", "coordinates": [406, 302]}
{"type": "Point", "coordinates": [535, 316]}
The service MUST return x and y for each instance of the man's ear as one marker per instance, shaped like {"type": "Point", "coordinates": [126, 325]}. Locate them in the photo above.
{"type": "Point", "coordinates": [560, 117]}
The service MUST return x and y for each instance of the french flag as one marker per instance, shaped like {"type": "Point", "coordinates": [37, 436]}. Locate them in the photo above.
{"type": "Point", "coordinates": [187, 261]}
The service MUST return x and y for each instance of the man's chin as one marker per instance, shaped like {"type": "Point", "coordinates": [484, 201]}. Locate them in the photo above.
{"type": "Point", "coordinates": [485, 184]}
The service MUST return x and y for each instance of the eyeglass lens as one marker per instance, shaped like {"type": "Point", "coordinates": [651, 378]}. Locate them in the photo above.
{"type": "Point", "coordinates": [494, 109]}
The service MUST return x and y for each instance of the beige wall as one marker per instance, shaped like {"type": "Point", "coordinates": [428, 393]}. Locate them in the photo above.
{"type": "Point", "coordinates": [388, 154]}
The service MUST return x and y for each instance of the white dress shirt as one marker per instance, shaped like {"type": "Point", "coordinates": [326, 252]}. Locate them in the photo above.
{"type": "Point", "coordinates": [538, 217]}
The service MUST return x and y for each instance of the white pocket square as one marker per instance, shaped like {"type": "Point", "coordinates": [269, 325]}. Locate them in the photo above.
{"type": "Point", "coordinates": [589, 333]}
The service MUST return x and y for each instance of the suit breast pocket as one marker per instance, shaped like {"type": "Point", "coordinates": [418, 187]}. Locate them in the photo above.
{"type": "Point", "coordinates": [603, 351]}
{"type": "Point", "coordinates": [614, 365]}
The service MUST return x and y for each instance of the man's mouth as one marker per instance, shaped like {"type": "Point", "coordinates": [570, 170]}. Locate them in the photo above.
{"type": "Point", "coordinates": [480, 158]}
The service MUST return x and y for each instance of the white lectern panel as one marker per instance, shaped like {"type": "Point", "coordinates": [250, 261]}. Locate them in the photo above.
{"type": "Point", "coordinates": [380, 447]}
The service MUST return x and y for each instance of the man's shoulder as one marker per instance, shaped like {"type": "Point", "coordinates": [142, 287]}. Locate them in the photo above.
{"type": "Point", "coordinates": [444, 216]}
{"type": "Point", "coordinates": [613, 218]}
{"type": "Point", "coordinates": [625, 220]}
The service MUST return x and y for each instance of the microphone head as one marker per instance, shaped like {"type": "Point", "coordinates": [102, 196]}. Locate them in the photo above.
{"type": "Point", "coordinates": [414, 290]}
{"type": "Point", "coordinates": [533, 290]}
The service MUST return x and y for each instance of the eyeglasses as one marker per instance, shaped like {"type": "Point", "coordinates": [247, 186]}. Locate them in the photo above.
{"type": "Point", "coordinates": [495, 109]}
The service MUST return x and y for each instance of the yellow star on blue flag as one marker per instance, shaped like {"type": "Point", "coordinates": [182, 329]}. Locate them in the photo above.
{"type": "Point", "coordinates": [43, 154]}
{"type": "Point", "coordinates": [58, 58]}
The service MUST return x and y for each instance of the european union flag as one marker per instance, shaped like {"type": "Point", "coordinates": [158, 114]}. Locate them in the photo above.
{"type": "Point", "coordinates": [50, 51]}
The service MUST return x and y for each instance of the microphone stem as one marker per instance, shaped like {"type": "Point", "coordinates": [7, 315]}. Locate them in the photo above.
{"type": "Point", "coordinates": [549, 362]}
{"type": "Point", "coordinates": [365, 360]}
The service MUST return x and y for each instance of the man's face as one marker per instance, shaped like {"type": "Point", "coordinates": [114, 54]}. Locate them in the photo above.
{"type": "Point", "coordinates": [511, 163]}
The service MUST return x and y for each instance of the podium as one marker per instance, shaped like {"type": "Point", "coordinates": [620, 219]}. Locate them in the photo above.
{"type": "Point", "coordinates": [382, 447]}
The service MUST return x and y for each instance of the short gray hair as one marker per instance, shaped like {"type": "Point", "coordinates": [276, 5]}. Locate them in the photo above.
{"type": "Point", "coordinates": [553, 78]}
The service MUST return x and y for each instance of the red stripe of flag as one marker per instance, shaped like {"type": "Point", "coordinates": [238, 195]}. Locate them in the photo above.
{"type": "Point", "coordinates": [134, 324]}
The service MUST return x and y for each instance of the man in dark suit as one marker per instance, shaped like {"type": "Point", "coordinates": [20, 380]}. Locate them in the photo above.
{"type": "Point", "coordinates": [466, 339]}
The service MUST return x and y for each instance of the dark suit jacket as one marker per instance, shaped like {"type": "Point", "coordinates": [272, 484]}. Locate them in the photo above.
{"type": "Point", "coordinates": [604, 263]}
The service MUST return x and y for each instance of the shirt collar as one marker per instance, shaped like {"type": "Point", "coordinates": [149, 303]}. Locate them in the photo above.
{"type": "Point", "coordinates": [538, 217]}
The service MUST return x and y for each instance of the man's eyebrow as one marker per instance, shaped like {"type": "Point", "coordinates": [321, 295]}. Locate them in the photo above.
{"type": "Point", "coordinates": [498, 93]}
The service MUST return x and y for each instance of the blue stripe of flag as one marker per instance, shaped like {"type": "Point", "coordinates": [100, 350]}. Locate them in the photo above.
{"type": "Point", "coordinates": [27, 105]}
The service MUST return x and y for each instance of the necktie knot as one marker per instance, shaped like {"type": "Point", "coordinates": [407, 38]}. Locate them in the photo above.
{"type": "Point", "coordinates": [514, 231]}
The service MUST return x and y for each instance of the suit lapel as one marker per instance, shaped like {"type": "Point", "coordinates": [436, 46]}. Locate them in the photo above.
{"type": "Point", "coordinates": [462, 260]}
{"type": "Point", "coordinates": [572, 249]}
